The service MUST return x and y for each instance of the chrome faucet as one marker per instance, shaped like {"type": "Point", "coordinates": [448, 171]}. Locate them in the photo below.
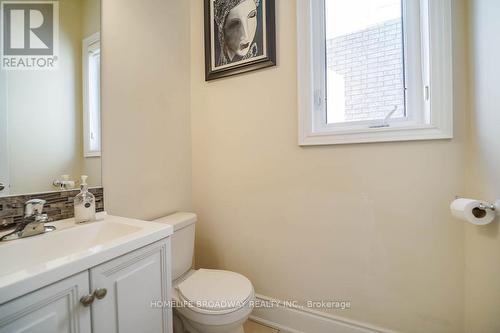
{"type": "Point", "coordinates": [33, 222]}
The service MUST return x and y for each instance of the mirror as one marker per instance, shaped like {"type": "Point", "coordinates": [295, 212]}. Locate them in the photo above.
{"type": "Point", "coordinates": [49, 96]}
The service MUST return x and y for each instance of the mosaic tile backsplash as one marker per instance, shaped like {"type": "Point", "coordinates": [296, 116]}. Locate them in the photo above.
{"type": "Point", "coordinates": [59, 205]}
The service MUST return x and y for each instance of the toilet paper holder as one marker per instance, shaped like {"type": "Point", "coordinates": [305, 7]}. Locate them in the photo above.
{"type": "Point", "coordinates": [486, 205]}
{"type": "Point", "coordinates": [474, 211]}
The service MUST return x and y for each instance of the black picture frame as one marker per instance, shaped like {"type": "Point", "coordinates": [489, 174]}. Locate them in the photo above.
{"type": "Point", "coordinates": [268, 61]}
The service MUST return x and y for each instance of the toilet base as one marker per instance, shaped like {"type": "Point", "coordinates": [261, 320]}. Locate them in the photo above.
{"type": "Point", "coordinates": [236, 330]}
{"type": "Point", "coordinates": [183, 326]}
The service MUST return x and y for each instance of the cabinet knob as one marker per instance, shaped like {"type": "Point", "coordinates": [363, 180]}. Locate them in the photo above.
{"type": "Point", "coordinates": [100, 293]}
{"type": "Point", "coordinates": [87, 300]}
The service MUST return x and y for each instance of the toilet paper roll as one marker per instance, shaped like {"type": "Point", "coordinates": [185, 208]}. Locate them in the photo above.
{"type": "Point", "coordinates": [468, 210]}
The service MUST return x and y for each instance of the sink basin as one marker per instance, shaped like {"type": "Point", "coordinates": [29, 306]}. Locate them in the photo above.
{"type": "Point", "coordinates": [33, 262]}
{"type": "Point", "coordinates": [52, 246]}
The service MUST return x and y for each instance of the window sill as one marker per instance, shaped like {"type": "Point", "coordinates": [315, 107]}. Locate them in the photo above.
{"type": "Point", "coordinates": [370, 135]}
{"type": "Point", "coordinates": [92, 154]}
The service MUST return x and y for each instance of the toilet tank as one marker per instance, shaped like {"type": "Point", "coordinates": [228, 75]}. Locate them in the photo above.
{"type": "Point", "coordinates": [182, 241]}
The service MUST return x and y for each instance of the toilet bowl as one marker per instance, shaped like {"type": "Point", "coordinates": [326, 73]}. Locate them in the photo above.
{"type": "Point", "coordinates": [212, 301]}
{"type": "Point", "coordinates": [205, 300]}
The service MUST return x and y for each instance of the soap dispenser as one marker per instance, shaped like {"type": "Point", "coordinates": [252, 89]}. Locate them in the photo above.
{"type": "Point", "coordinates": [84, 204]}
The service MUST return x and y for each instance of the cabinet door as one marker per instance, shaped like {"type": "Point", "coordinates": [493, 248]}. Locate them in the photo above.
{"type": "Point", "coordinates": [133, 283]}
{"type": "Point", "coordinates": [52, 309]}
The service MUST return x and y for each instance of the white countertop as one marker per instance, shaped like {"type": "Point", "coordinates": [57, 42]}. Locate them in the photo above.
{"type": "Point", "coordinates": [31, 263]}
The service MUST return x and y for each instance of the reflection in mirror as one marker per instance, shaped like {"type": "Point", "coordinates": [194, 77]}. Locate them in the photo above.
{"type": "Point", "coordinates": [50, 119]}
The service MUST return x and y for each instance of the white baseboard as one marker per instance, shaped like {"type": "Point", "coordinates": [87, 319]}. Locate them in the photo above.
{"type": "Point", "coordinates": [294, 319]}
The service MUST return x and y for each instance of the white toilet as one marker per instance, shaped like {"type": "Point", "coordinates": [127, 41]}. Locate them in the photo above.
{"type": "Point", "coordinates": [208, 301]}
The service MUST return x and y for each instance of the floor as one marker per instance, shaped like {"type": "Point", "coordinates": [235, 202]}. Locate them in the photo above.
{"type": "Point", "coordinates": [253, 327]}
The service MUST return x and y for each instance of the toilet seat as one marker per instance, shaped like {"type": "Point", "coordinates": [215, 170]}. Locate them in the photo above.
{"type": "Point", "coordinates": [215, 292]}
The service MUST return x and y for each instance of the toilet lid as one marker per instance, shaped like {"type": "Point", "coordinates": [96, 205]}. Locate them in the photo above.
{"type": "Point", "coordinates": [215, 290]}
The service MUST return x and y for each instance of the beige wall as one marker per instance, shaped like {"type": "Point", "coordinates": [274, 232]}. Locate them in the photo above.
{"type": "Point", "coordinates": [483, 177]}
{"type": "Point", "coordinates": [367, 223]}
{"type": "Point", "coordinates": [91, 13]}
{"type": "Point", "coordinates": [146, 122]}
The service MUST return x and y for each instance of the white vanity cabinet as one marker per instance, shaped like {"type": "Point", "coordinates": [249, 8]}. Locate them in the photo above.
{"type": "Point", "coordinates": [132, 282]}
{"type": "Point", "coordinates": [55, 308]}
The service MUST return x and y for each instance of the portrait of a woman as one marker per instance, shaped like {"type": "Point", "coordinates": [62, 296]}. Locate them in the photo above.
{"type": "Point", "coordinates": [236, 23]}
{"type": "Point", "coordinates": [239, 33]}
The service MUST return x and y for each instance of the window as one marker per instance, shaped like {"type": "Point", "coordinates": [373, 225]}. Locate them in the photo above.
{"type": "Point", "coordinates": [374, 70]}
{"type": "Point", "coordinates": [92, 96]}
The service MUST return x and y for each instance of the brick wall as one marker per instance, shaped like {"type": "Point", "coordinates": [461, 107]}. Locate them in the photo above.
{"type": "Point", "coordinates": [371, 64]}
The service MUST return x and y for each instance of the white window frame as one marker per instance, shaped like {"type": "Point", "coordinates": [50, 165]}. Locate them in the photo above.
{"type": "Point", "coordinates": [89, 44]}
{"type": "Point", "coordinates": [429, 105]}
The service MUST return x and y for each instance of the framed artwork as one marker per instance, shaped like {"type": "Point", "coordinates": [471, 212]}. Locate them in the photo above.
{"type": "Point", "coordinates": [240, 36]}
